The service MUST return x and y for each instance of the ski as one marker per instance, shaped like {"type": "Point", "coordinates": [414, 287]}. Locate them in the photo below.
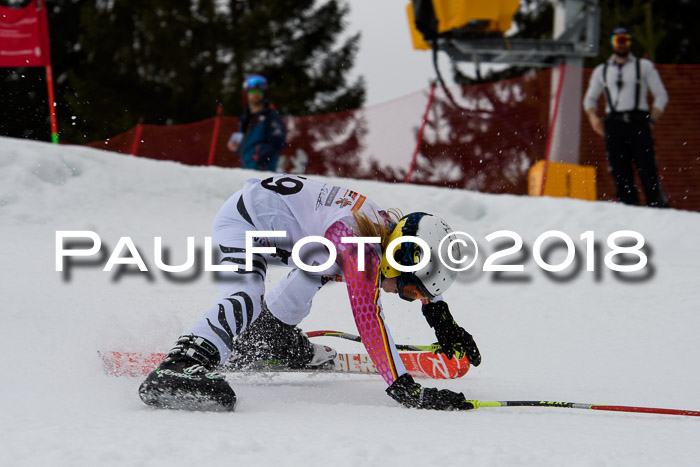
{"type": "Point", "coordinates": [418, 363]}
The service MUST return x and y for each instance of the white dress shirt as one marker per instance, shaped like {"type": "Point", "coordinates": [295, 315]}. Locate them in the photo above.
{"type": "Point", "coordinates": [623, 97]}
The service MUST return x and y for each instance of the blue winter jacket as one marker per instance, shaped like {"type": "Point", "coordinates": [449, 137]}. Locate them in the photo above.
{"type": "Point", "coordinates": [263, 140]}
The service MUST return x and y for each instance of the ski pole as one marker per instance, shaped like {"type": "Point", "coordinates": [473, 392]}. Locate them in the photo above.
{"type": "Point", "coordinates": [576, 405]}
{"type": "Point", "coordinates": [355, 338]}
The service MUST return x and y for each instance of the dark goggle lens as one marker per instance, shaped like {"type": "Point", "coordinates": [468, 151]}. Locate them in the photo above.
{"type": "Point", "coordinates": [256, 91]}
{"type": "Point", "coordinates": [410, 293]}
{"type": "Point", "coordinates": [411, 289]}
{"type": "Point", "coordinates": [255, 83]}
{"type": "Point", "coordinates": [620, 39]}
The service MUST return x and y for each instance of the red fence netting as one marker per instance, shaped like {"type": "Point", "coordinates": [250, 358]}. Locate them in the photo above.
{"type": "Point", "coordinates": [487, 144]}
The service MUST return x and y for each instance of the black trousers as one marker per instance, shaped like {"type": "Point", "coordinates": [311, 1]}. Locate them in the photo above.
{"type": "Point", "coordinates": [628, 141]}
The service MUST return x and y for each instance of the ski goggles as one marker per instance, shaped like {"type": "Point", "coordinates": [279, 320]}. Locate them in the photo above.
{"type": "Point", "coordinates": [620, 39]}
{"type": "Point", "coordinates": [410, 288]}
{"type": "Point", "coordinates": [256, 91]}
{"type": "Point", "coordinates": [256, 82]}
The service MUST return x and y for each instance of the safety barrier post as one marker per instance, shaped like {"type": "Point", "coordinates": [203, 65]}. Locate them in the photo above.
{"type": "Point", "coordinates": [215, 134]}
{"type": "Point", "coordinates": [557, 99]}
{"type": "Point", "coordinates": [137, 137]}
{"type": "Point", "coordinates": [420, 132]}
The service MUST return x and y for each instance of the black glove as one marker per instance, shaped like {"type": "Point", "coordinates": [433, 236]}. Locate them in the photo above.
{"type": "Point", "coordinates": [411, 394]}
{"type": "Point", "coordinates": [453, 339]}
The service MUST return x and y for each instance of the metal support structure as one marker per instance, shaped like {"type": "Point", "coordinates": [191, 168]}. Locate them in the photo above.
{"type": "Point", "coordinates": [576, 35]}
{"type": "Point", "coordinates": [576, 32]}
{"type": "Point", "coordinates": [571, 22]}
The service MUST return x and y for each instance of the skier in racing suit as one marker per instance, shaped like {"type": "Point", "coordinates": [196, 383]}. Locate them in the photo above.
{"type": "Point", "coordinates": [294, 207]}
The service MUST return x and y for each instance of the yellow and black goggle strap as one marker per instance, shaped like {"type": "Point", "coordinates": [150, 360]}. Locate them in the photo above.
{"type": "Point", "coordinates": [404, 253]}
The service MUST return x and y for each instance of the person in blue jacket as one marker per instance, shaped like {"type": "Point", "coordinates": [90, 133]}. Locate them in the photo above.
{"type": "Point", "coordinates": [262, 134]}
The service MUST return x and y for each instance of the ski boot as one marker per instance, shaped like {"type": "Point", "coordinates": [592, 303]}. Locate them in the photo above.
{"type": "Point", "coordinates": [185, 379]}
{"type": "Point", "coordinates": [270, 340]}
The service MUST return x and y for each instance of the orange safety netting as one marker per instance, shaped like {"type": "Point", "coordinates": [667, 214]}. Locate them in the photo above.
{"type": "Point", "coordinates": [488, 144]}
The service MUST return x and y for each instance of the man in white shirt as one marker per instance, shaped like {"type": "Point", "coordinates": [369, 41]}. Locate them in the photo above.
{"type": "Point", "coordinates": [629, 120]}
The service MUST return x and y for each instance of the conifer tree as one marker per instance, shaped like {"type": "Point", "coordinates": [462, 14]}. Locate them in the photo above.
{"type": "Point", "coordinates": [173, 62]}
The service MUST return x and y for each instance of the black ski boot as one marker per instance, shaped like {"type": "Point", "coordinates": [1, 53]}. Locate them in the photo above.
{"type": "Point", "coordinates": [185, 379]}
{"type": "Point", "coordinates": [269, 339]}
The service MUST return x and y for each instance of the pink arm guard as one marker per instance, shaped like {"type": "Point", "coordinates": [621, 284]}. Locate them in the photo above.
{"type": "Point", "coordinates": [363, 288]}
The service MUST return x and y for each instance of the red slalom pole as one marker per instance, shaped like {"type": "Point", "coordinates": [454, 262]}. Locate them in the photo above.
{"type": "Point", "coordinates": [52, 104]}
{"type": "Point", "coordinates": [46, 55]}
{"type": "Point", "coordinates": [420, 133]}
{"type": "Point", "coordinates": [355, 338]}
{"type": "Point", "coordinates": [576, 405]}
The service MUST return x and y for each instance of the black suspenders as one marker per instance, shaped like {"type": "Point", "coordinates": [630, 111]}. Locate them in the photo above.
{"type": "Point", "coordinates": [607, 91]}
{"type": "Point", "coordinates": [637, 86]}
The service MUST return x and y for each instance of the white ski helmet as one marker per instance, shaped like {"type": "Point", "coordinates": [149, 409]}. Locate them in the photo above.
{"type": "Point", "coordinates": [435, 277]}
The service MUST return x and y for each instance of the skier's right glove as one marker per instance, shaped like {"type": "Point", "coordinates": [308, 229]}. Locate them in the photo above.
{"type": "Point", "coordinates": [453, 339]}
{"type": "Point", "coordinates": [411, 394]}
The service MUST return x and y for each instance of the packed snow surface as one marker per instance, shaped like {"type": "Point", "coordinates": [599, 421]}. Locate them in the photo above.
{"type": "Point", "coordinates": [580, 336]}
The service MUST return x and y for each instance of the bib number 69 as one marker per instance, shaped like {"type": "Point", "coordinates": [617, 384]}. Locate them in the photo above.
{"type": "Point", "coordinates": [283, 185]}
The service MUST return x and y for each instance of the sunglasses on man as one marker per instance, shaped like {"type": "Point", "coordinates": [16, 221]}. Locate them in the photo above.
{"type": "Point", "coordinates": [620, 39]}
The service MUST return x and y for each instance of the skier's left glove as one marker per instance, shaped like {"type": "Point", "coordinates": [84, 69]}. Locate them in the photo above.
{"type": "Point", "coordinates": [453, 339]}
{"type": "Point", "coordinates": [411, 394]}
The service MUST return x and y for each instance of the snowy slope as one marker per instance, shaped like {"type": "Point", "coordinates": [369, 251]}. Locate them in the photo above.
{"type": "Point", "coordinates": [594, 338]}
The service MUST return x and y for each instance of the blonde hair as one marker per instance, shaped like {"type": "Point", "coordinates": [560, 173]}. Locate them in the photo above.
{"type": "Point", "coordinates": [369, 228]}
